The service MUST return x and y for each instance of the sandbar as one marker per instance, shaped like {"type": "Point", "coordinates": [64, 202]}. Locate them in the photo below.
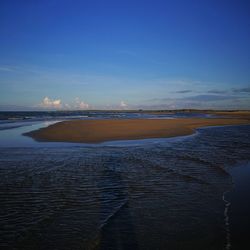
{"type": "Point", "coordinates": [95, 131]}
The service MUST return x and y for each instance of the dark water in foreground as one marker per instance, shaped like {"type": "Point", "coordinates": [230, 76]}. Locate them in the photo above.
{"type": "Point", "coordinates": [157, 195]}
{"type": "Point", "coordinates": [240, 207]}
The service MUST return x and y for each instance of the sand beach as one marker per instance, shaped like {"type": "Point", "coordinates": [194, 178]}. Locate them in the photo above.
{"type": "Point", "coordinates": [95, 131]}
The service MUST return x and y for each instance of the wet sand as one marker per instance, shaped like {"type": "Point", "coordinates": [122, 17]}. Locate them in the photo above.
{"type": "Point", "coordinates": [94, 131]}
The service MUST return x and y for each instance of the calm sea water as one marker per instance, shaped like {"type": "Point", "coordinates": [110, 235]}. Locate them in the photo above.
{"type": "Point", "coordinates": [146, 194]}
{"type": "Point", "coordinates": [21, 116]}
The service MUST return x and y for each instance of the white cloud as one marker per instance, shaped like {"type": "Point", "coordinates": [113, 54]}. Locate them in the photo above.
{"type": "Point", "coordinates": [50, 103]}
{"type": "Point", "coordinates": [123, 105]}
{"type": "Point", "coordinates": [77, 104]}
{"type": "Point", "coordinates": [83, 105]}
{"type": "Point", "coordinates": [67, 106]}
{"type": "Point", "coordinates": [80, 104]}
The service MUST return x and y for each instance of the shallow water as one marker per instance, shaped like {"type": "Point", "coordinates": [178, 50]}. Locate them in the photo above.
{"type": "Point", "coordinates": [156, 194]}
{"type": "Point", "coordinates": [12, 136]}
{"type": "Point", "coordinates": [239, 210]}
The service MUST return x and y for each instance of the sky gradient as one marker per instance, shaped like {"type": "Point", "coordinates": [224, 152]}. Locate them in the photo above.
{"type": "Point", "coordinates": [124, 54]}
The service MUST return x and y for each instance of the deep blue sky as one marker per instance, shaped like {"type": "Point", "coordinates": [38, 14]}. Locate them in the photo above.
{"type": "Point", "coordinates": [124, 54]}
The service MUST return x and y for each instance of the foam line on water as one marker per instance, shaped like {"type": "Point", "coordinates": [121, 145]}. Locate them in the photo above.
{"type": "Point", "coordinates": [114, 213]}
{"type": "Point", "coordinates": [227, 221]}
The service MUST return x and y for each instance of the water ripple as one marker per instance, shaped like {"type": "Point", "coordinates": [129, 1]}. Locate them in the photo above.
{"type": "Point", "coordinates": [156, 196]}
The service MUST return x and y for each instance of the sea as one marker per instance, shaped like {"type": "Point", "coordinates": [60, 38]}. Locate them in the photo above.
{"type": "Point", "coordinates": [187, 192]}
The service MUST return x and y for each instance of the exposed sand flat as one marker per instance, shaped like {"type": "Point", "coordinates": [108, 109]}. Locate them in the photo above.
{"type": "Point", "coordinates": [93, 131]}
{"type": "Point", "coordinates": [239, 114]}
{"type": "Point", "coordinates": [232, 113]}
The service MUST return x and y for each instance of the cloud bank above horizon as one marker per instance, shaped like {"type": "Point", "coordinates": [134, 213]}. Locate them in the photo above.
{"type": "Point", "coordinates": [57, 104]}
{"type": "Point", "coordinates": [213, 99]}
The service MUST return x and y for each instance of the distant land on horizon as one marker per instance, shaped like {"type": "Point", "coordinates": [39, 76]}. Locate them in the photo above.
{"type": "Point", "coordinates": [135, 110]}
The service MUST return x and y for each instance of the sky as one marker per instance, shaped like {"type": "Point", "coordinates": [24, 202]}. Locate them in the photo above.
{"type": "Point", "coordinates": [114, 54]}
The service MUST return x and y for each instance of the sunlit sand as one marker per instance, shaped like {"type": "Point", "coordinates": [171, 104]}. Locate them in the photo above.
{"type": "Point", "coordinates": [94, 131]}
